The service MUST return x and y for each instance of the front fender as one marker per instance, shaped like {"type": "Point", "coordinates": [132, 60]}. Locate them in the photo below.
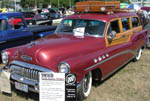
{"type": "Point", "coordinates": [80, 64]}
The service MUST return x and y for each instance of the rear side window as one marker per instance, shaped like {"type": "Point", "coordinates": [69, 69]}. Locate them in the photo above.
{"type": "Point", "coordinates": [125, 24]}
{"type": "Point", "coordinates": [114, 26]}
{"type": "Point", "coordinates": [3, 25]}
{"type": "Point", "coordinates": [15, 22]}
{"type": "Point", "coordinates": [135, 22]}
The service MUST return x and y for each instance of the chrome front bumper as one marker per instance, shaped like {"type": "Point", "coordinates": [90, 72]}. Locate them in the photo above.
{"type": "Point", "coordinates": [33, 85]}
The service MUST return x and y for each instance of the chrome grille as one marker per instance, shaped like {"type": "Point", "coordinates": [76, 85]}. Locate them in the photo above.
{"type": "Point", "coordinates": [26, 70]}
{"type": "Point", "coordinates": [28, 73]}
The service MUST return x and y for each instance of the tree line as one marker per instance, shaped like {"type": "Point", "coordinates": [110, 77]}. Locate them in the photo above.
{"type": "Point", "coordinates": [46, 3]}
{"type": "Point", "coordinates": [54, 3]}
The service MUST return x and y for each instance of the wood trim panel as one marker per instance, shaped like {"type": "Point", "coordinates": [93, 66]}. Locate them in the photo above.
{"type": "Point", "coordinates": [122, 37]}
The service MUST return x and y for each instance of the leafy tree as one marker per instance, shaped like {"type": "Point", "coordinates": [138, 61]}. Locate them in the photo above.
{"type": "Point", "coordinates": [54, 3]}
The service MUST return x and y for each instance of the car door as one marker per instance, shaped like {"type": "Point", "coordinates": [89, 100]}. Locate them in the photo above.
{"type": "Point", "coordinates": [17, 32]}
{"type": "Point", "coordinates": [117, 47]}
{"type": "Point", "coordinates": [137, 29]}
{"type": "Point", "coordinates": [3, 33]}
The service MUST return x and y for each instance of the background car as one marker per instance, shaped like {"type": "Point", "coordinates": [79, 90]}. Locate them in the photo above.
{"type": "Point", "coordinates": [51, 12]}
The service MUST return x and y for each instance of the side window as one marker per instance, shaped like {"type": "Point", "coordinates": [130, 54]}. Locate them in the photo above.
{"type": "Point", "coordinates": [66, 26]}
{"type": "Point", "coordinates": [3, 25]}
{"type": "Point", "coordinates": [113, 27]}
{"type": "Point", "coordinates": [135, 22]}
{"type": "Point", "coordinates": [16, 23]}
{"type": "Point", "coordinates": [95, 27]}
{"type": "Point", "coordinates": [125, 24]}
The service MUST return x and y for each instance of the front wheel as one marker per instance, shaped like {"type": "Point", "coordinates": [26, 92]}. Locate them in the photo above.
{"type": "Point", "coordinates": [138, 54]}
{"type": "Point", "coordinates": [86, 85]}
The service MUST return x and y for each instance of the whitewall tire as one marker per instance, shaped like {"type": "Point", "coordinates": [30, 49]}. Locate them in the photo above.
{"type": "Point", "coordinates": [86, 85]}
{"type": "Point", "coordinates": [138, 54]}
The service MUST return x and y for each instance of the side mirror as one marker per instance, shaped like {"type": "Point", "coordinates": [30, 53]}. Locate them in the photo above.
{"type": "Point", "coordinates": [111, 36]}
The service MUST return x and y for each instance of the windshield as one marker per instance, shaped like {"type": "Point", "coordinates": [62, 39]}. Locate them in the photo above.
{"type": "Point", "coordinates": [91, 27]}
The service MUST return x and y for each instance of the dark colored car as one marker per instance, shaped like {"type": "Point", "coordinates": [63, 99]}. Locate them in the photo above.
{"type": "Point", "coordinates": [29, 17]}
{"type": "Point", "coordinates": [14, 30]}
{"type": "Point", "coordinates": [43, 19]}
{"type": "Point", "coordinates": [52, 13]}
{"type": "Point", "coordinates": [37, 19]}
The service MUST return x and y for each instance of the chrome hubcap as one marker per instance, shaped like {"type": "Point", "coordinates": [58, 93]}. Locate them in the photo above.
{"type": "Point", "coordinates": [86, 83]}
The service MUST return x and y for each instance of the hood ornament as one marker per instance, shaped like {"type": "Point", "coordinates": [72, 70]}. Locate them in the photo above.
{"type": "Point", "coordinates": [32, 43]}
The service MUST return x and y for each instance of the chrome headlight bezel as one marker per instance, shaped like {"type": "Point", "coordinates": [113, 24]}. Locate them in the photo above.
{"type": "Point", "coordinates": [63, 67]}
{"type": "Point", "coordinates": [4, 57]}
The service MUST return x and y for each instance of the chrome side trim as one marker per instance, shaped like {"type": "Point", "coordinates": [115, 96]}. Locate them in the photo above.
{"type": "Point", "coordinates": [30, 66]}
{"type": "Point", "coordinates": [123, 52]}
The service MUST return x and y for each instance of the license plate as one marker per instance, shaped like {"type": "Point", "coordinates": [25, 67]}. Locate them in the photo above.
{"type": "Point", "coordinates": [21, 86]}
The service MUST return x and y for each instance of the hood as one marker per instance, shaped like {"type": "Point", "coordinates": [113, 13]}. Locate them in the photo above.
{"type": "Point", "coordinates": [53, 49]}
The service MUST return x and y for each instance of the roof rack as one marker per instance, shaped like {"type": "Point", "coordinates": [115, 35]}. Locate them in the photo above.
{"type": "Point", "coordinates": [98, 6]}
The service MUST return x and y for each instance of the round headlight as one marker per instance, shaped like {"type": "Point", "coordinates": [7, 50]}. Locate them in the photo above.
{"type": "Point", "coordinates": [64, 67]}
{"type": "Point", "coordinates": [4, 56]}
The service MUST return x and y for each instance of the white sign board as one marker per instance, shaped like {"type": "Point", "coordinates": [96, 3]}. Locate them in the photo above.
{"type": "Point", "coordinates": [5, 82]}
{"type": "Point", "coordinates": [79, 31]}
{"type": "Point", "coordinates": [52, 86]}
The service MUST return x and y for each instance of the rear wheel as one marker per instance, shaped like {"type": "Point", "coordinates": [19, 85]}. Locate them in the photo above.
{"type": "Point", "coordinates": [86, 85]}
{"type": "Point", "coordinates": [138, 54]}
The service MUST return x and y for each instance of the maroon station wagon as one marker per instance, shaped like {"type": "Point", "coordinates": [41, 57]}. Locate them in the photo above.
{"type": "Point", "coordinates": [91, 45]}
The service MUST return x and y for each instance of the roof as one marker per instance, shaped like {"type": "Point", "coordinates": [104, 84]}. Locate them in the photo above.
{"type": "Point", "coordinates": [10, 14]}
{"type": "Point", "coordinates": [99, 16]}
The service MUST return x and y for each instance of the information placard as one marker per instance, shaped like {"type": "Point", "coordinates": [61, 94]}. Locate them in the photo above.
{"type": "Point", "coordinates": [79, 31]}
{"type": "Point", "coordinates": [57, 86]}
{"type": "Point", "coordinates": [52, 86]}
{"type": "Point", "coordinates": [5, 82]}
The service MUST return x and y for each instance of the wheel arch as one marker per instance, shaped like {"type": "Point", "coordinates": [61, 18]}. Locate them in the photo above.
{"type": "Point", "coordinates": [143, 47]}
{"type": "Point", "coordinates": [97, 76]}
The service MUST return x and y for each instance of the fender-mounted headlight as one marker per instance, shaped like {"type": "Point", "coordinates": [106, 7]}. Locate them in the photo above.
{"type": "Point", "coordinates": [64, 67]}
{"type": "Point", "coordinates": [4, 56]}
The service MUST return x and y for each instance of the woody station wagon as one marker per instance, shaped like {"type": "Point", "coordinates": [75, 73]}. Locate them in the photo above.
{"type": "Point", "coordinates": [92, 43]}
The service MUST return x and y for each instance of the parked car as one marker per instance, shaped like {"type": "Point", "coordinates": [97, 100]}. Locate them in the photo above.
{"type": "Point", "coordinates": [37, 19]}
{"type": "Point", "coordinates": [146, 8]}
{"type": "Point", "coordinates": [90, 44]}
{"type": "Point", "coordinates": [51, 12]}
{"type": "Point", "coordinates": [14, 30]}
{"type": "Point", "coordinates": [29, 18]}
{"type": "Point", "coordinates": [43, 19]}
